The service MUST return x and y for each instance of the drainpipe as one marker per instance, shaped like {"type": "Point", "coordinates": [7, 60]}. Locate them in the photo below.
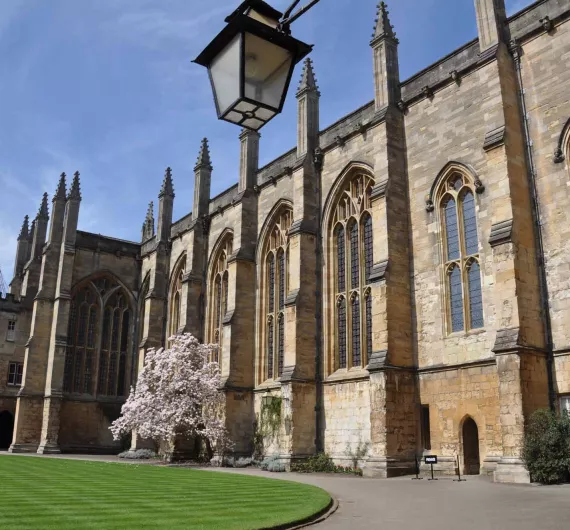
{"type": "Point", "coordinates": [516, 51]}
{"type": "Point", "coordinates": [318, 164]}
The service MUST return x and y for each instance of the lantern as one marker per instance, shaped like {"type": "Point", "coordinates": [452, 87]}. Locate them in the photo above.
{"type": "Point", "coordinates": [250, 63]}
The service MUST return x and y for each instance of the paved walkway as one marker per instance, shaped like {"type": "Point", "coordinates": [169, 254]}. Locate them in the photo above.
{"type": "Point", "coordinates": [405, 504]}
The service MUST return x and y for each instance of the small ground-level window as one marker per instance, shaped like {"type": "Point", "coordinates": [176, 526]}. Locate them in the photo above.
{"type": "Point", "coordinates": [15, 372]}
{"type": "Point", "coordinates": [565, 404]}
{"type": "Point", "coordinates": [11, 333]}
{"type": "Point", "coordinates": [426, 437]}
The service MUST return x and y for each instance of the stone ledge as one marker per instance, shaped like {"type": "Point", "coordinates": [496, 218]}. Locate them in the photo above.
{"type": "Point", "coordinates": [501, 233]}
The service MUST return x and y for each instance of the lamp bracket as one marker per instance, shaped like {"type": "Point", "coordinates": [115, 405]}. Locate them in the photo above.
{"type": "Point", "coordinates": [288, 18]}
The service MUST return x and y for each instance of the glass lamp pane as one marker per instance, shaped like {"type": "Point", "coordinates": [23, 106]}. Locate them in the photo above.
{"type": "Point", "coordinates": [267, 68]}
{"type": "Point", "coordinates": [225, 72]}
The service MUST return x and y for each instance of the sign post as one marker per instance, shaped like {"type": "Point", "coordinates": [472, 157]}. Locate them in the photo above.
{"type": "Point", "coordinates": [459, 479]}
{"type": "Point", "coordinates": [417, 477]}
{"type": "Point", "coordinates": [431, 460]}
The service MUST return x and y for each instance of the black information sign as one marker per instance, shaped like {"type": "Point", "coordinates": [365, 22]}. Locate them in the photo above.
{"type": "Point", "coordinates": [431, 460]}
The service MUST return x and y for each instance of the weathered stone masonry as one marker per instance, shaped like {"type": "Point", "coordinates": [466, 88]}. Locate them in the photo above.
{"type": "Point", "coordinates": [361, 340]}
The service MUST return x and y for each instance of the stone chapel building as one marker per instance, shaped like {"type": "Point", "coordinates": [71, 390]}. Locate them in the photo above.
{"type": "Point", "coordinates": [398, 282]}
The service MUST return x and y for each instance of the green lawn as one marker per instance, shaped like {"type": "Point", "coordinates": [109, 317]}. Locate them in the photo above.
{"type": "Point", "coordinates": [45, 493]}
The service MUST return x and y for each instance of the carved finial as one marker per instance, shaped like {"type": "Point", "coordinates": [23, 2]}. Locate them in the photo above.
{"type": "Point", "coordinates": [148, 225]}
{"type": "Point", "coordinates": [308, 80]}
{"type": "Point", "coordinates": [204, 156]}
{"type": "Point", "coordinates": [167, 187]}
{"type": "Point", "coordinates": [24, 231]}
{"type": "Point", "coordinates": [75, 190]}
{"type": "Point", "coordinates": [150, 211]}
{"type": "Point", "coordinates": [60, 192]}
{"type": "Point", "coordinates": [32, 230]}
{"type": "Point", "coordinates": [382, 26]}
{"type": "Point", "coordinates": [43, 211]}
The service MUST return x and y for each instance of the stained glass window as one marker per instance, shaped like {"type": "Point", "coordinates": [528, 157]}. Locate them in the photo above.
{"type": "Point", "coordinates": [270, 359]}
{"type": "Point", "coordinates": [77, 387]}
{"type": "Point", "coordinates": [219, 288]}
{"type": "Point", "coordinates": [102, 384]}
{"type": "Point", "coordinates": [456, 299]}
{"type": "Point", "coordinates": [281, 343]}
{"type": "Point", "coordinates": [111, 384]}
{"type": "Point", "coordinates": [68, 370]}
{"type": "Point", "coordinates": [271, 281]}
{"type": "Point", "coordinates": [369, 325]}
{"type": "Point", "coordinates": [82, 325]}
{"type": "Point", "coordinates": [475, 296]}
{"type": "Point", "coordinates": [281, 281]}
{"type": "Point", "coordinates": [122, 374]}
{"type": "Point", "coordinates": [342, 333]}
{"type": "Point", "coordinates": [352, 261]}
{"type": "Point", "coordinates": [354, 257]}
{"type": "Point", "coordinates": [462, 247]}
{"type": "Point", "coordinates": [470, 224]}
{"type": "Point", "coordinates": [368, 247]}
{"type": "Point", "coordinates": [218, 302]}
{"type": "Point", "coordinates": [226, 292]}
{"type": "Point", "coordinates": [87, 373]}
{"type": "Point", "coordinates": [341, 260]}
{"type": "Point", "coordinates": [92, 325]}
{"type": "Point", "coordinates": [451, 230]}
{"type": "Point", "coordinates": [277, 264]}
{"type": "Point", "coordinates": [356, 356]}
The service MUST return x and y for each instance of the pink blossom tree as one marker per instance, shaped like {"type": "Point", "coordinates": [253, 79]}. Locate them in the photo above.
{"type": "Point", "coordinates": [177, 394]}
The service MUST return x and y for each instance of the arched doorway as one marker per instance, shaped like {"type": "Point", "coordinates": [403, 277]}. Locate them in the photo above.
{"type": "Point", "coordinates": [6, 429]}
{"type": "Point", "coordinates": [472, 464]}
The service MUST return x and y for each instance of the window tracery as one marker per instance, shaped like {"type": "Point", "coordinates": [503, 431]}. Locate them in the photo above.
{"type": "Point", "coordinates": [352, 241]}
{"type": "Point", "coordinates": [275, 279]}
{"type": "Point", "coordinates": [461, 254]}
{"type": "Point", "coordinates": [219, 285]}
{"type": "Point", "coordinates": [176, 298]}
{"type": "Point", "coordinates": [98, 340]}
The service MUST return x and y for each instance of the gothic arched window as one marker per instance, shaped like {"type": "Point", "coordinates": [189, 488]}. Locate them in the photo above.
{"type": "Point", "coordinates": [176, 298]}
{"type": "Point", "coordinates": [351, 245]}
{"type": "Point", "coordinates": [98, 340]}
{"type": "Point", "coordinates": [275, 276]}
{"type": "Point", "coordinates": [461, 254]}
{"type": "Point", "coordinates": [219, 284]}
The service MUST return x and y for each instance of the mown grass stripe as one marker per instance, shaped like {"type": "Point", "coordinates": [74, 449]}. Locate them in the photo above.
{"type": "Point", "coordinates": [45, 494]}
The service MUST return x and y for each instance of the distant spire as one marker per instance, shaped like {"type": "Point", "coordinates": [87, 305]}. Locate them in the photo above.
{"type": "Point", "coordinates": [43, 212]}
{"type": "Point", "coordinates": [148, 225]}
{"type": "Point", "coordinates": [308, 80]}
{"type": "Point", "coordinates": [75, 190]}
{"type": "Point", "coordinates": [204, 156]}
{"type": "Point", "coordinates": [32, 230]}
{"type": "Point", "coordinates": [167, 187]}
{"type": "Point", "coordinates": [24, 231]}
{"type": "Point", "coordinates": [60, 193]}
{"type": "Point", "coordinates": [382, 26]}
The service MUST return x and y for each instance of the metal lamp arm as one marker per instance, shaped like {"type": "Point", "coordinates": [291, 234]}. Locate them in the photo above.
{"type": "Point", "coordinates": [289, 18]}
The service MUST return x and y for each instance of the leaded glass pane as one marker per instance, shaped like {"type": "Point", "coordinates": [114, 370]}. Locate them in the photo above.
{"type": "Point", "coordinates": [77, 387]}
{"type": "Point", "coordinates": [218, 301]}
{"type": "Point", "coordinates": [456, 300]}
{"type": "Point", "coordinates": [102, 373]}
{"type": "Point", "coordinates": [342, 333]}
{"type": "Point", "coordinates": [125, 331]}
{"type": "Point", "coordinates": [68, 370]}
{"type": "Point", "coordinates": [356, 355]}
{"type": "Point", "coordinates": [354, 257]}
{"type": "Point", "coordinates": [451, 230]}
{"type": "Point", "coordinates": [106, 328]}
{"type": "Point", "coordinates": [82, 325]}
{"type": "Point", "coordinates": [225, 291]}
{"type": "Point", "coordinates": [369, 326]}
{"type": "Point", "coordinates": [368, 247]}
{"type": "Point", "coordinates": [111, 384]}
{"type": "Point", "coordinates": [475, 296]}
{"type": "Point", "coordinates": [341, 260]}
{"type": "Point", "coordinates": [270, 359]}
{"type": "Point", "coordinates": [470, 224]}
{"type": "Point", "coordinates": [122, 370]}
{"type": "Point", "coordinates": [72, 321]}
{"type": "Point", "coordinates": [271, 281]}
{"type": "Point", "coordinates": [281, 346]}
{"type": "Point", "coordinates": [281, 281]}
{"type": "Point", "coordinates": [92, 327]}
{"type": "Point", "coordinates": [115, 332]}
{"type": "Point", "coordinates": [87, 372]}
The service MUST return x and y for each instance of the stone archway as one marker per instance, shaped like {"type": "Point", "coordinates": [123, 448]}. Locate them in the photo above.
{"type": "Point", "coordinates": [471, 458]}
{"type": "Point", "coordinates": [6, 429]}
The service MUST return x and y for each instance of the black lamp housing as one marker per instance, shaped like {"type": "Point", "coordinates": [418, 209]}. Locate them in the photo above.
{"type": "Point", "coordinates": [250, 63]}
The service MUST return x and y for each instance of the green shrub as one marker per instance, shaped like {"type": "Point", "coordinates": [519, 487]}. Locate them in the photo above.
{"type": "Point", "coordinates": [546, 451]}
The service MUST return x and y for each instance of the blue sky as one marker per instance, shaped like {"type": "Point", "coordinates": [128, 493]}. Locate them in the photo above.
{"type": "Point", "coordinates": [107, 88]}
